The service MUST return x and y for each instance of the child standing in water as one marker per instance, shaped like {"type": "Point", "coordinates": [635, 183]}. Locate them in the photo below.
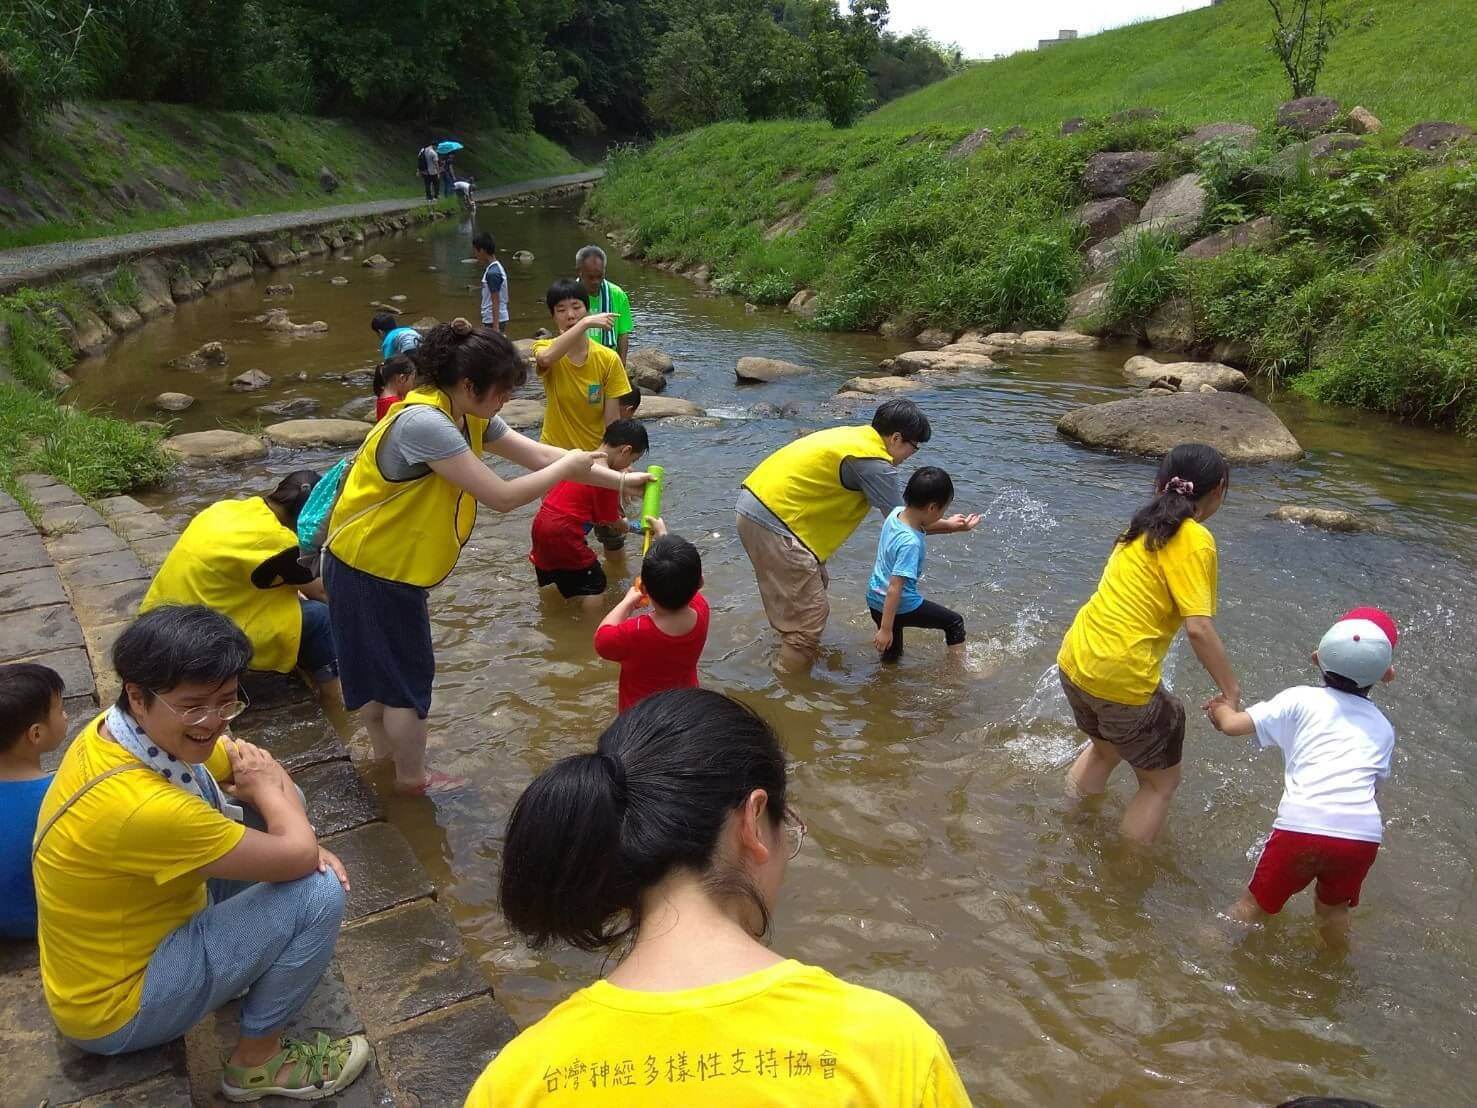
{"type": "Point", "coordinates": [1161, 575]}
{"type": "Point", "coordinates": [393, 381]}
{"type": "Point", "coordinates": [1336, 746]}
{"type": "Point", "coordinates": [893, 598]}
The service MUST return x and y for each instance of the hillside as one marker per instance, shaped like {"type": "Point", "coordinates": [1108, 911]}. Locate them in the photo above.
{"type": "Point", "coordinates": [1413, 60]}
{"type": "Point", "coordinates": [107, 167]}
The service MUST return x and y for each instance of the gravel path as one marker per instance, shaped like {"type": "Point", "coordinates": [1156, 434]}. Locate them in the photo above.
{"type": "Point", "coordinates": [35, 265]}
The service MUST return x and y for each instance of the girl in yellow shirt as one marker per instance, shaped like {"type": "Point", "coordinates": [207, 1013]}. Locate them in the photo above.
{"type": "Point", "coordinates": [1161, 575]}
{"type": "Point", "coordinates": [669, 841]}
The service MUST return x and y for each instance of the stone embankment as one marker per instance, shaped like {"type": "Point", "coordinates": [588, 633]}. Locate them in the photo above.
{"type": "Point", "coordinates": [401, 973]}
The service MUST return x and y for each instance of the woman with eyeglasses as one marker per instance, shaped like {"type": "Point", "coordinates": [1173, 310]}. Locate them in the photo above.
{"type": "Point", "coordinates": [668, 844]}
{"type": "Point", "coordinates": [156, 904]}
{"type": "Point", "coordinates": [240, 557]}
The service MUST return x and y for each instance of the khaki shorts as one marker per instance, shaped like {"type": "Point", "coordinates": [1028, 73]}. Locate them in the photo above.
{"type": "Point", "coordinates": [792, 585]}
{"type": "Point", "coordinates": [1146, 736]}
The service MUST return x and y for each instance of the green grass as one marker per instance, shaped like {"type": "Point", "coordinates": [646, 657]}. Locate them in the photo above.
{"type": "Point", "coordinates": [1406, 61]}
{"type": "Point", "coordinates": [1147, 275]}
{"type": "Point", "coordinates": [96, 454]}
{"type": "Point", "coordinates": [77, 153]}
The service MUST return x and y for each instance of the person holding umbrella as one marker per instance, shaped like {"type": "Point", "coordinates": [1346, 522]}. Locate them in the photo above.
{"type": "Point", "coordinates": [445, 151]}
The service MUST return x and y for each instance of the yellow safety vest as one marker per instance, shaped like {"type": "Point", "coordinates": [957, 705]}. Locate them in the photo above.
{"type": "Point", "coordinates": [212, 563]}
{"type": "Point", "coordinates": [801, 484]}
{"type": "Point", "coordinates": [409, 531]}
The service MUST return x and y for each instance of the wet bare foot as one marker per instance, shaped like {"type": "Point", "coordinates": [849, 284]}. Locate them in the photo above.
{"type": "Point", "coordinates": [433, 782]}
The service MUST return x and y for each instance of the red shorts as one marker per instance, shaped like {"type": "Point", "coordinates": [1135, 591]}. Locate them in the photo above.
{"type": "Point", "coordinates": [1292, 860]}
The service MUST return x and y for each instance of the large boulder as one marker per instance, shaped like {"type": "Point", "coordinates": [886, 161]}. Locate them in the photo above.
{"type": "Point", "coordinates": [768, 369]}
{"type": "Point", "coordinates": [1171, 326]}
{"type": "Point", "coordinates": [947, 360]}
{"type": "Point", "coordinates": [215, 447]}
{"type": "Point", "coordinates": [649, 357]}
{"type": "Point", "coordinates": [1255, 234]}
{"type": "Point", "coordinates": [968, 144]}
{"type": "Point", "coordinates": [152, 296]}
{"type": "Point", "coordinates": [1327, 519]}
{"type": "Point", "coordinates": [1041, 342]}
{"type": "Point", "coordinates": [667, 407]}
{"type": "Point", "coordinates": [802, 304]}
{"type": "Point", "coordinates": [1105, 218]}
{"type": "Point", "coordinates": [86, 331]}
{"type": "Point", "coordinates": [1241, 428]}
{"type": "Point", "coordinates": [173, 401]}
{"type": "Point", "coordinates": [934, 338]}
{"type": "Point", "coordinates": [1434, 136]}
{"type": "Point", "coordinates": [874, 385]}
{"type": "Point", "coordinates": [1143, 370]}
{"type": "Point", "coordinates": [646, 378]}
{"type": "Point", "coordinates": [1175, 207]}
{"type": "Point", "coordinates": [1308, 115]}
{"type": "Point", "coordinates": [274, 254]}
{"type": "Point", "coordinates": [1086, 308]}
{"type": "Point", "coordinates": [1111, 174]}
{"type": "Point", "coordinates": [1241, 135]}
{"type": "Point", "coordinates": [318, 432]}
{"type": "Point", "coordinates": [1362, 121]}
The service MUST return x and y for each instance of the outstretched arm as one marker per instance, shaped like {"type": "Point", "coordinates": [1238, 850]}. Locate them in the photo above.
{"type": "Point", "coordinates": [1206, 643]}
{"type": "Point", "coordinates": [533, 455]}
{"type": "Point", "coordinates": [955, 524]}
{"type": "Point", "coordinates": [467, 472]}
{"type": "Point", "coordinates": [1227, 720]}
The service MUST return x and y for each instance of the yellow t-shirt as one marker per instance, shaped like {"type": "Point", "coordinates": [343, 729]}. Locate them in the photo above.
{"type": "Point", "coordinates": [1115, 647]}
{"type": "Point", "coordinates": [114, 876]}
{"type": "Point", "coordinates": [789, 1036]}
{"type": "Point", "coordinates": [574, 417]}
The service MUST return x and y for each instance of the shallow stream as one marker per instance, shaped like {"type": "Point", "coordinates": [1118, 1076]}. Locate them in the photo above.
{"type": "Point", "coordinates": [944, 864]}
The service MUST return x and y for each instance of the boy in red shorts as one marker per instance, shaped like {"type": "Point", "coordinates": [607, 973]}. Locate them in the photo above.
{"type": "Point", "coordinates": [560, 554]}
{"type": "Point", "coordinates": [658, 651]}
{"type": "Point", "coordinates": [1336, 746]}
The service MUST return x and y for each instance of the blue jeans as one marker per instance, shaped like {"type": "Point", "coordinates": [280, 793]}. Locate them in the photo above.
{"type": "Point", "coordinates": [272, 939]}
{"type": "Point", "coordinates": [315, 651]}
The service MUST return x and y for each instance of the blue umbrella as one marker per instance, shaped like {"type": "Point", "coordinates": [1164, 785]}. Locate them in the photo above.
{"type": "Point", "coordinates": [448, 147]}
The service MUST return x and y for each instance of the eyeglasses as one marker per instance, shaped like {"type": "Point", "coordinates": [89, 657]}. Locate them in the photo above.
{"type": "Point", "coordinates": [196, 717]}
{"type": "Point", "coordinates": [794, 829]}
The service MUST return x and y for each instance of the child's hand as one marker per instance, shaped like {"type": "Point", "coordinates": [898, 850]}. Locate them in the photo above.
{"type": "Point", "coordinates": [882, 640]}
{"type": "Point", "coordinates": [636, 595]}
{"type": "Point", "coordinates": [962, 522]}
{"type": "Point", "coordinates": [657, 524]}
{"type": "Point", "coordinates": [600, 321]}
{"type": "Point", "coordinates": [1214, 707]}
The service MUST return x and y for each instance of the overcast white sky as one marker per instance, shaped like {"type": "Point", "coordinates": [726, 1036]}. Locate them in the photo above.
{"type": "Point", "coordinates": [984, 28]}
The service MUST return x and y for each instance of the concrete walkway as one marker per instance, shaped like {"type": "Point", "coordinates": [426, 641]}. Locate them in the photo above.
{"type": "Point", "coordinates": [401, 973]}
{"type": "Point", "coordinates": [35, 265]}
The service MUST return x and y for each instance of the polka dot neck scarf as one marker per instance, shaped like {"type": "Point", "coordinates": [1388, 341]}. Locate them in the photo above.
{"type": "Point", "coordinates": [193, 779]}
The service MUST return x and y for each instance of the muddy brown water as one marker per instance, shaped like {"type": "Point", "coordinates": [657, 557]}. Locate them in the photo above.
{"type": "Point", "coordinates": [944, 864]}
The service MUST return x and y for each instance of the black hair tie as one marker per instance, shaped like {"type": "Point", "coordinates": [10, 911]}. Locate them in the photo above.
{"type": "Point", "coordinates": [617, 773]}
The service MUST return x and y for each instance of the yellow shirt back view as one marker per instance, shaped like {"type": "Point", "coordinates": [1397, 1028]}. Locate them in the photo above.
{"type": "Point", "coordinates": [114, 876]}
{"type": "Point", "coordinates": [789, 1036]}
{"type": "Point", "coordinates": [1115, 647]}
{"type": "Point", "coordinates": [574, 417]}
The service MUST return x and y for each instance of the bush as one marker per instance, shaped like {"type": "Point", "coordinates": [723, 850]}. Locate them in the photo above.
{"type": "Point", "coordinates": [1148, 274]}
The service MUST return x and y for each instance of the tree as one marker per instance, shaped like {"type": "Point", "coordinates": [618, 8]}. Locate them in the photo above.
{"type": "Point", "coordinates": [905, 63]}
{"type": "Point", "coordinates": [1304, 34]}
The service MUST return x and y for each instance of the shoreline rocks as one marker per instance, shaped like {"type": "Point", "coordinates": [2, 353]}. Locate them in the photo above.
{"type": "Point", "coordinates": [1240, 427]}
{"type": "Point", "coordinates": [317, 432]}
{"type": "Point", "coordinates": [1191, 376]}
{"type": "Point", "coordinates": [753, 369]}
{"type": "Point", "coordinates": [871, 386]}
{"type": "Point", "coordinates": [215, 447]}
{"type": "Point", "coordinates": [951, 359]}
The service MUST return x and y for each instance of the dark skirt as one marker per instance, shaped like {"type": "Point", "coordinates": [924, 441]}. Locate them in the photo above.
{"type": "Point", "coordinates": [382, 635]}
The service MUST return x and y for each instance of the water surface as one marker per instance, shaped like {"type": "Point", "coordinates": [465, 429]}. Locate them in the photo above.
{"type": "Point", "coordinates": [944, 864]}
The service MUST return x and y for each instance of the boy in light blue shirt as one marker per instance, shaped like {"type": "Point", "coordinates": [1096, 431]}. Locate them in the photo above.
{"type": "Point", "coordinates": [892, 594]}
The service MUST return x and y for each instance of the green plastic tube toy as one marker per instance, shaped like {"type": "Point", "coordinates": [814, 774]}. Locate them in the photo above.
{"type": "Point", "coordinates": [651, 502]}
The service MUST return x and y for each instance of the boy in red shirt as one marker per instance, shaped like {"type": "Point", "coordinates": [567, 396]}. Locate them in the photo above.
{"type": "Point", "coordinates": [560, 554]}
{"type": "Point", "coordinates": [659, 651]}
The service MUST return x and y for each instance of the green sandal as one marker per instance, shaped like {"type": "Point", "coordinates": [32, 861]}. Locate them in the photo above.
{"type": "Point", "coordinates": [302, 1071]}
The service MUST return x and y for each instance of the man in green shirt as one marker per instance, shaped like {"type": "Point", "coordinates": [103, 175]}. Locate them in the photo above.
{"type": "Point", "coordinates": [605, 296]}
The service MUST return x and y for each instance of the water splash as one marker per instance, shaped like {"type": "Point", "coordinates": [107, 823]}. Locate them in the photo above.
{"type": "Point", "coordinates": [1017, 506]}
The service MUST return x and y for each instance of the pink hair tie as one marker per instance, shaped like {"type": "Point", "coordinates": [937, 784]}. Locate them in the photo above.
{"type": "Point", "coordinates": [1180, 485]}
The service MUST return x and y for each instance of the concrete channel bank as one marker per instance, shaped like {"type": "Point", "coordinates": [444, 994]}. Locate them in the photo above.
{"type": "Point", "coordinates": [401, 974]}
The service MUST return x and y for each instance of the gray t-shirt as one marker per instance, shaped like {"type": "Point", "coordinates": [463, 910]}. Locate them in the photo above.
{"type": "Point", "coordinates": [873, 477]}
{"type": "Point", "coordinates": [423, 434]}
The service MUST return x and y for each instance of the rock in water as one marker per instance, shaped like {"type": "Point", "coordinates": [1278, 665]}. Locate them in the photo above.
{"type": "Point", "coordinates": [173, 401]}
{"type": "Point", "coordinates": [279, 290]}
{"type": "Point", "coordinates": [295, 408]}
{"type": "Point", "coordinates": [1241, 428]}
{"type": "Point", "coordinates": [523, 256]}
{"type": "Point", "coordinates": [212, 353]}
{"type": "Point", "coordinates": [523, 414]}
{"type": "Point", "coordinates": [318, 432]}
{"type": "Point", "coordinates": [947, 360]}
{"type": "Point", "coordinates": [874, 385]}
{"type": "Point", "coordinates": [251, 380]}
{"type": "Point", "coordinates": [666, 407]}
{"type": "Point", "coordinates": [802, 304]}
{"type": "Point", "coordinates": [649, 357]}
{"type": "Point", "coordinates": [934, 338]}
{"type": "Point", "coordinates": [215, 447]}
{"type": "Point", "coordinates": [377, 261]}
{"type": "Point", "coordinates": [646, 378]}
{"type": "Point", "coordinates": [1142, 370]}
{"type": "Point", "coordinates": [767, 369]}
{"type": "Point", "coordinates": [1329, 519]}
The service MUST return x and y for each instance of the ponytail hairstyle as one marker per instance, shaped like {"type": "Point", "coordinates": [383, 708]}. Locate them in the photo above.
{"type": "Point", "coordinates": [291, 493]}
{"type": "Point", "coordinates": [594, 832]}
{"type": "Point", "coordinates": [1189, 473]}
{"type": "Point", "coordinates": [457, 351]}
{"type": "Point", "coordinates": [385, 372]}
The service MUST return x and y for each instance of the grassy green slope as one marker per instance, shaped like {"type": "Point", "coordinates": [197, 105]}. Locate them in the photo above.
{"type": "Point", "coordinates": [79, 163]}
{"type": "Point", "coordinates": [1406, 60]}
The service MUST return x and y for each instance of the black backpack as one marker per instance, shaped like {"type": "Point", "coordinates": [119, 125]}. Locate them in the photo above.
{"type": "Point", "coordinates": [421, 161]}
